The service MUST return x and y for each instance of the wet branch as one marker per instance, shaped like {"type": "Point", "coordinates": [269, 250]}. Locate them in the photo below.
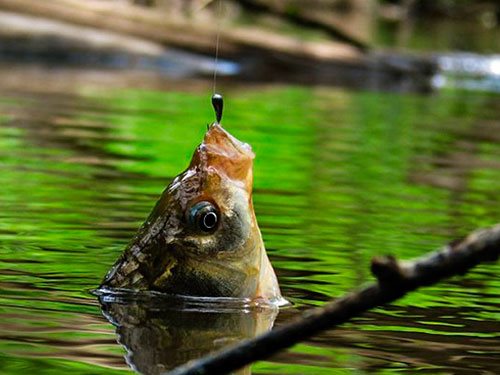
{"type": "Point", "coordinates": [395, 279]}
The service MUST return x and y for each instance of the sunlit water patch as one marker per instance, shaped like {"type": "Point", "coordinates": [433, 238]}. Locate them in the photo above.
{"type": "Point", "coordinates": [339, 177]}
{"type": "Point", "coordinates": [468, 71]}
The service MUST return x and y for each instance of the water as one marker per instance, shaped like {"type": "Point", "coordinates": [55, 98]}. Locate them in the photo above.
{"type": "Point", "coordinates": [340, 176]}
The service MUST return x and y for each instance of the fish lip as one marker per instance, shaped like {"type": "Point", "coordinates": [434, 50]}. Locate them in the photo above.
{"type": "Point", "coordinates": [242, 147]}
{"type": "Point", "coordinates": [224, 155]}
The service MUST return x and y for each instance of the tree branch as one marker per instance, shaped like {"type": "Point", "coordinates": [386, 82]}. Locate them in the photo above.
{"type": "Point", "coordinates": [159, 27]}
{"type": "Point", "coordinates": [395, 279]}
{"type": "Point", "coordinates": [322, 19]}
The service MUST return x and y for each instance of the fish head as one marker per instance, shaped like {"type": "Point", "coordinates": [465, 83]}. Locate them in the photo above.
{"type": "Point", "coordinates": [202, 237]}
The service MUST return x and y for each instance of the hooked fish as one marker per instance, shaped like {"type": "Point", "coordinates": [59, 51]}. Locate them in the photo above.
{"type": "Point", "coordinates": [202, 237]}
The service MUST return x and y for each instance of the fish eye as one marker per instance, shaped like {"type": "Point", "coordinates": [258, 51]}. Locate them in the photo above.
{"type": "Point", "coordinates": [204, 217]}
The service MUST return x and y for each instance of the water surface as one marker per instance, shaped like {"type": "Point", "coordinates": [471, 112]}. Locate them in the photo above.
{"type": "Point", "coordinates": [340, 176]}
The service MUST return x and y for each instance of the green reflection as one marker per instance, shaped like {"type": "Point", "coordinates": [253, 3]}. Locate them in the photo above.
{"type": "Point", "coordinates": [339, 177]}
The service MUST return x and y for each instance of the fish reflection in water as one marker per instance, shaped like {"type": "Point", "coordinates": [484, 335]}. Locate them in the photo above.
{"type": "Point", "coordinates": [162, 332]}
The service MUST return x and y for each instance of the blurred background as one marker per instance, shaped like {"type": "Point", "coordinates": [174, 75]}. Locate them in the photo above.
{"type": "Point", "coordinates": [395, 45]}
{"type": "Point", "coordinates": [376, 129]}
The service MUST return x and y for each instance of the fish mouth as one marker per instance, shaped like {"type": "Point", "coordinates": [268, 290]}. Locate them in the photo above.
{"type": "Point", "coordinates": [226, 155]}
{"type": "Point", "coordinates": [218, 139]}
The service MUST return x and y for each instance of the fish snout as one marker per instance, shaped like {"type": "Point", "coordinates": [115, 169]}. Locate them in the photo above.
{"type": "Point", "coordinates": [226, 155]}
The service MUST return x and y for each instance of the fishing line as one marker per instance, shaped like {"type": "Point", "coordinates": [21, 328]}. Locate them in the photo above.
{"type": "Point", "coordinates": [218, 16]}
{"type": "Point", "coordinates": [217, 101]}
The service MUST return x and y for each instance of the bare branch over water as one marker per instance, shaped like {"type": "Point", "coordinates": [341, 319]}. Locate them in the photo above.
{"type": "Point", "coordinates": [394, 280]}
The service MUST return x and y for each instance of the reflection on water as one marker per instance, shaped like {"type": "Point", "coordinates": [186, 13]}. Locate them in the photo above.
{"type": "Point", "coordinates": [159, 334]}
{"type": "Point", "coordinates": [468, 71]}
{"type": "Point", "coordinates": [340, 176]}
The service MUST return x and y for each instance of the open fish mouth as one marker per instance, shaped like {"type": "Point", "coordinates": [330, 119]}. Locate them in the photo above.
{"type": "Point", "coordinates": [226, 155]}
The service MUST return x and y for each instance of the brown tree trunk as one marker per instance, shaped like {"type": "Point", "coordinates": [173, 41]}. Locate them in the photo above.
{"type": "Point", "coordinates": [161, 27]}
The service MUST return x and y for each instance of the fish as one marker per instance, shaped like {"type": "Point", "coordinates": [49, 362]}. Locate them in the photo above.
{"type": "Point", "coordinates": [202, 237]}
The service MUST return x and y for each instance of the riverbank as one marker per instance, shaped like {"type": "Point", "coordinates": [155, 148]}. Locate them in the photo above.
{"type": "Point", "coordinates": [49, 36]}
